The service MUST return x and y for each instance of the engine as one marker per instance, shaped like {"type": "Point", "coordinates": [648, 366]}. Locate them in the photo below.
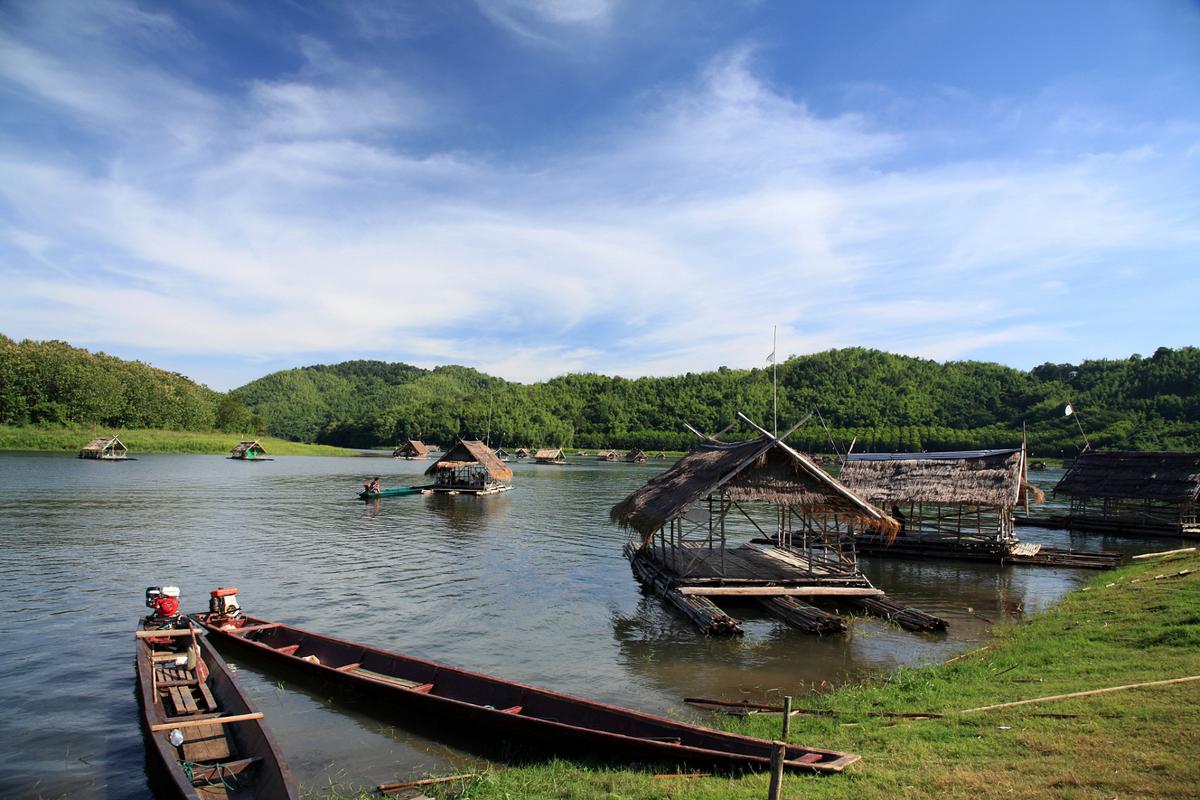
{"type": "Point", "coordinates": [164, 600]}
{"type": "Point", "coordinates": [223, 603]}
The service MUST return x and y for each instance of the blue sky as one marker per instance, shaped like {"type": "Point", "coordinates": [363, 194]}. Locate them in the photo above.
{"type": "Point", "coordinates": [631, 187]}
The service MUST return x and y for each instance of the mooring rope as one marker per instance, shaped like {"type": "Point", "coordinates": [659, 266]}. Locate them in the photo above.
{"type": "Point", "coordinates": [189, 769]}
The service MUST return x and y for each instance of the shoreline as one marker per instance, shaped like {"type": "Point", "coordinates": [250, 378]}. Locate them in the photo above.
{"type": "Point", "coordinates": [34, 439]}
{"type": "Point", "coordinates": [1122, 627]}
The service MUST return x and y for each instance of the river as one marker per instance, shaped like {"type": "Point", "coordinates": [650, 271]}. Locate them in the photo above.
{"type": "Point", "coordinates": [529, 585]}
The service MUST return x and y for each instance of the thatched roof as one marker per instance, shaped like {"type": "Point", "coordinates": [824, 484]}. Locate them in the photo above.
{"type": "Point", "coordinates": [412, 448]}
{"type": "Point", "coordinates": [763, 469]}
{"type": "Point", "coordinates": [468, 453]}
{"type": "Point", "coordinates": [636, 454]}
{"type": "Point", "coordinates": [245, 447]}
{"type": "Point", "coordinates": [1162, 476]}
{"type": "Point", "coordinates": [976, 477]}
{"type": "Point", "coordinates": [102, 443]}
{"type": "Point", "coordinates": [549, 454]}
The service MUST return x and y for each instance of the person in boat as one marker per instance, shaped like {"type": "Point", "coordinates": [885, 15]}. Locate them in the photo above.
{"type": "Point", "coordinates": [374, 487]}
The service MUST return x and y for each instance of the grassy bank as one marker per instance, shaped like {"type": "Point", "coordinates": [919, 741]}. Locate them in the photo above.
{"type": "Point", "coordinates": [142, 440]}
{"type": "Point", "coordinates": [1125, 627]}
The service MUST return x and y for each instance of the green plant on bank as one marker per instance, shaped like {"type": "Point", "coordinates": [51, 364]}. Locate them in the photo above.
{"type": "Point", "coordinates": [1124, 627]}
{"type": "Point", "coordinates": [70, 439]}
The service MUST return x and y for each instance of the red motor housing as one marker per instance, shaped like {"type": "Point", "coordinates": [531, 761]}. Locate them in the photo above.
{"type": "Point", "coordinates": [164, 600]}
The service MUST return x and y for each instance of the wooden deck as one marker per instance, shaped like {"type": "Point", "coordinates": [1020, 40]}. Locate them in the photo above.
{"type": "Point", "coordinates": [753, 563]}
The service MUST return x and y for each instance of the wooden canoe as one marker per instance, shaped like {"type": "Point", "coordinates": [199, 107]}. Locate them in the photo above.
{"type": "Point", "coordinates": [227, 750]}
{"type": "Point", "coordinates": [513, 710]}
{"type": "Point", "coordinates": [393, 492]}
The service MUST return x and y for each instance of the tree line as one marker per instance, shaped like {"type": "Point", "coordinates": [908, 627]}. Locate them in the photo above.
{"type": "Point", "coordinates": [880, 401]}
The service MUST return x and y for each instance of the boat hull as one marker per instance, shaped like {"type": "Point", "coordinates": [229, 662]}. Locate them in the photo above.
{"type": "Point", "coordinates": [397, 492]}
{"type": "Point", "coordinates": [253, 757]}
{"type": "Point", "coordinates": [513, 710]}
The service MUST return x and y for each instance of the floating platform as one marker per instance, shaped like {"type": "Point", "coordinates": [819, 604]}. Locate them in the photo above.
{"type": "Point", "coordinates": [774, 577]}
{"type": "Point", "coordinates": [1024, 553]}
{"type": "Point", "coordinates": [451, 490]}
{"type": "Point", "coordinates": [1112, 527]}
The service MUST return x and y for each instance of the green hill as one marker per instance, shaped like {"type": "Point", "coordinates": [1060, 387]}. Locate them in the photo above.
{"type": "Point", "coordinates": [887, 402]}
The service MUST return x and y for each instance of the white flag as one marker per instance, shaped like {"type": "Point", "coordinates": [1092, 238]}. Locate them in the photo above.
{"type": "Point", "coordinates": [771, 358]}
{"type": "Point", "coordinates": [1068, 411]}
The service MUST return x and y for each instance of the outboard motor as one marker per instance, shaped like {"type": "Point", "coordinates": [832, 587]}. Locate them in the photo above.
{"type": "Point", "coordinates": [223, 605]}
{"type": "Point", "coordinates": [164, 600]}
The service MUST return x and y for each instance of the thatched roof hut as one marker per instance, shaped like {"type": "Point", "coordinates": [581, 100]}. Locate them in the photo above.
{"type": "Point", "coordinates": [248, 451]}
{"type": "Point", "coordinates": [763, 469]}
{"type": "Point", "coordinates": [522, 452]}
{"type": "Point", "coordinates": [411, 449]}
{"type": "Point", "coordinates": [1128, 491]}
{"type": "Point", "coordinates": [961, 500]}
{"type": "Point", "coordinates": [1160, 476]}
{"type": "Point", "coordinates": [105, 448]}
{"type": "Point", "coordinates": [469, 466]}
{"type": "Point", "coordinates": [608, 455]}
{"type": "Point", "coordinates": [550, 455]}
{"type": "Point", "coordinates": [636, 456]}
{"type": "Point", "coordinates": [979, 477]}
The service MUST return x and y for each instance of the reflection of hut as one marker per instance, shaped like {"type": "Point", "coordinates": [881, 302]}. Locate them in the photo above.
{"type": "Point", "coordinates": [1131, 492]}
{"type": "Point", "coordinates": [608, 455]}
{"type": "Point", "coordinates": [412, 449]}
{"type": "Point", "coordinates": [958, 503]}
{"type": "Point", "coordinates": [636, 456]}
{"type": "Point", "coordinates": [469, 467]}
{"type": "Point", "coordinates": [248, 451]}
{"type": "Point", "coordinates": [550, 455]}
{"type": "Point", "coordinates": [680, 523]}
{"type": "Point", "coordinates": [105, 448]}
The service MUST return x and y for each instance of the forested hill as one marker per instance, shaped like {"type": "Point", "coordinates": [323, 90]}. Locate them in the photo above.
{"type": "Point", "coordinates": [52, 383]}
{"type": "Point", "coordinates": [888, 402]}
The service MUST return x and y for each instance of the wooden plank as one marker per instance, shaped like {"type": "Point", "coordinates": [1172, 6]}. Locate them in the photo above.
{"type": "Point", "coordinates": [214, 772]}
{"type": "Point", "coordinates": [348, 667]}
{"type": "Point", "coordinates": [205, 742]}
{"type": "Point", "coordinates": [166, 726]}
{"type": "Point", "coordinates": [170, 632]}
{"type": "Point", "coordinates": [252, 628]}
{"type": "Point", "coordinates": [379, 676]}
{"type": "Point", "coordinates": [288, 650]}
{"type": "Point", "coordinates": [206, 695]}
{"type": "Point", "coordinates": [779, 591]}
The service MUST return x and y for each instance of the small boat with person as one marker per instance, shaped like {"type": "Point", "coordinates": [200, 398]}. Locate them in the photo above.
{"type": "Point", "coordinates": [207, 739]}
{"type": "Point", "coordinates": [372, 489]}
{"type": "Point", "coordinates": [511, 710]}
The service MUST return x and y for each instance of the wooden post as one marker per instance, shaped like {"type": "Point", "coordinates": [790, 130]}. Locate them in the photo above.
{"type": "Point", "coordinates": [778, 755]}
{"type": "Point", "coordinates": [787, 717]}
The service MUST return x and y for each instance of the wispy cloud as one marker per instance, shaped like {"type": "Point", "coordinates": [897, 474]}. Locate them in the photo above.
{"type": "Point", "coordinates": [670, 241]}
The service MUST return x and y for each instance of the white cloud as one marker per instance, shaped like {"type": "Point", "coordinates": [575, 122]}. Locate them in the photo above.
{"type": "Point", "coordinates": [672, 242]}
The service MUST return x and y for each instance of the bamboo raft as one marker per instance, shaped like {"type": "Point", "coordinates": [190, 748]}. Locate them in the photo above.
{"type": "Point", "coordinates": [1023, 554]}
{"type": "Point", "coordinates": [1117, 527]}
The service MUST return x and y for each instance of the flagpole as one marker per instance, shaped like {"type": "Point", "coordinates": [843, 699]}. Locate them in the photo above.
{"type": "Point", "coordinates": [775, 378]}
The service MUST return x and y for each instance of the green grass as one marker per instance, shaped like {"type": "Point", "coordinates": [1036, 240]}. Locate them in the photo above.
{"type": "Point", "coordinates": [1136, 743]}
{"type": "Point", "coordinates": [145, 440]}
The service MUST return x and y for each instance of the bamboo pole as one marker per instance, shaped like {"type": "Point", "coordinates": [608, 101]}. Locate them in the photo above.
{"type": "Point", "coordinates": [387, 788]}
{"type": "Point", "coordinates": [787, 717]}
{"type": "Point", "coordinates": [1088, 693]}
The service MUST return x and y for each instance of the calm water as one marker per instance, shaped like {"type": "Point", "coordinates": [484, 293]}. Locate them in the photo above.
{"type": "Point", "coordinates": [529, 585]}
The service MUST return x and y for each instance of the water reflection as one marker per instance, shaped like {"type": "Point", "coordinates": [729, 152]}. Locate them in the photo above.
{"type": "Point", "coordinates": [529, 585]}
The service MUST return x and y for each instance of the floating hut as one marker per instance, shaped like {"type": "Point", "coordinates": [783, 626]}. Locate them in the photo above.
{"type": "Point", "coordinates": [522, 453]}
{"type": "Point", "coordinates": [549, 455]}
{"type": "Point", "coordinates": [502, 454]}
{"type": "Point", "coordinates": [1130, 492]}
{"type": "Point", "coordinates": [410, 450]}
{"type": "Point", "coordinates": [660, 456]}
{"type": "Point", "coordinates": [249, 451]}
{"type": "Point", "coordinates": [636, 456]}
{"type": "Point", "coordinates": [105, 448]}
{"type": "Point", "coordinates": [956, 505]}
{"type": "Point", "coordinates": [608, 455]}
{"type": "Point", "coordinates": [681, 523]}
{"type": "Point", "coordinates": [469, 467]}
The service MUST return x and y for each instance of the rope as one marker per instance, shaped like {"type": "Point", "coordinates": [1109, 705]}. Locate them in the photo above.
{"type": "Point", "coordinates": [828, 433]}
{"type": "Point", "coordinates": [189, 768]}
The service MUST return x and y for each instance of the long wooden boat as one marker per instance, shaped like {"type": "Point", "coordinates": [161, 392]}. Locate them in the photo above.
{"type": "Point", "coordinates": [513, 710]}
{"type": "Point", "coordinates": [393, 492]}
{"type": "Point", "coordinates": [207, 737]}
